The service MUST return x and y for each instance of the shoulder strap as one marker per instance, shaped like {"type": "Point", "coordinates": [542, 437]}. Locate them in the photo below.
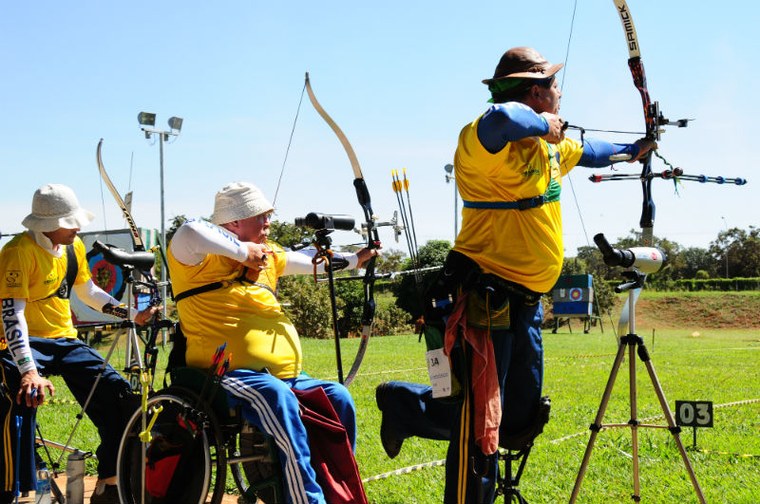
{"type": "Point", "coordinates": [218, 285]}
{"type": "Point", "coordinates": [72, 268]}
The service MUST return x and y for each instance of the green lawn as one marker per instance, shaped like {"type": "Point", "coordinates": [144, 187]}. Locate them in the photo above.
{"type": "Point", "coordinates": [717, 365]}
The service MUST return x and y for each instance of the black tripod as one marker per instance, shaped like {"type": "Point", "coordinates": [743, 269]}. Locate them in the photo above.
{"type": "Point", "coordinates": [508, 484]}
{"type": "Point", "coordinates": [323, 242]}
{"type": "Point", "coordinates": [635, 345]}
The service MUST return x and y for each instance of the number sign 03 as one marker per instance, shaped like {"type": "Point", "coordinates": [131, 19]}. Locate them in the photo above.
{"type": "Point", "coordinates": [694, 413]}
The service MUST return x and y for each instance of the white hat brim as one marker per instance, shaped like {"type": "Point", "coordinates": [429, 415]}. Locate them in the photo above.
{"type": "Point", "coordinates": [75, 220]}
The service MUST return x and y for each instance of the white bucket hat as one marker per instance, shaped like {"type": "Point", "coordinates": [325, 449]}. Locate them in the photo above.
{"type": "Point", "coordinates": [238, 201]}
{"type": "Point", "coordinates": [55, 206]}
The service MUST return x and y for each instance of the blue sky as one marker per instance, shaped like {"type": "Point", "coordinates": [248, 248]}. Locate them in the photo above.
{"type": "Point", "coordinates": [400, 78]}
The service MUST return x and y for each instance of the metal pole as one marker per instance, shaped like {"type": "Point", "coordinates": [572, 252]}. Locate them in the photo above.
{"type": "Point", "coordinates": [163, 229]}
{"type": "Point", "coordinates": [449, 168]}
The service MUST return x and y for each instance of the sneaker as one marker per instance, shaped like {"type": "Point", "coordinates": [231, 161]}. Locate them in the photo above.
{"type": "Point", "coordinates": [108, 495]}
{"type": "Point", "coordinates": [389, 437]}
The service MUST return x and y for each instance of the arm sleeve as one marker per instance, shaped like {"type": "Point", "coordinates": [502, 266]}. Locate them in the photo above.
{"type": "Point", "coordinates": [195, 239]}
{"type": "Point", "coordinates": [507, 122]}
{"type": "Point", "coordinates": [596, 153]}
{"type": "Point", "coordinates": [17, 334]}
{"type": "Point", "coordinates": [93, 296]}
{"type": "Point", "coordinates": [299, 262]}
{"type": "Point", "coordinates": [83, 268]}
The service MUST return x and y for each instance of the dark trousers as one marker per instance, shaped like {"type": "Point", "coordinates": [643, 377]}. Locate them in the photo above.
{"type": "Point", "coordinates": [79, 365]}
{"type": "Point", "coordinates": [470, 474]}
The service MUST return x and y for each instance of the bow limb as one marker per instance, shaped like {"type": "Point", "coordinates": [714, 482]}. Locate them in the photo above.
{"type": "Point", "coordinates": [373, 240]}
{"type": "Point", "coordinates": [651, 117]}
{"type": "Point", "coordinates": [137, 240]}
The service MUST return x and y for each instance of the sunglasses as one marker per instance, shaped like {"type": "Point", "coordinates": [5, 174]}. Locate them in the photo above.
{"type": "Point", "coordinates": [265, 217]}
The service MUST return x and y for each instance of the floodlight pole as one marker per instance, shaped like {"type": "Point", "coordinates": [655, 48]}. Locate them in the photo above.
{"type": "Point", "coordinates": [449, 177]}
{"type": "Point", "coordinates": [175, 125]}
{"type": "Point", "coordinates": [163, 218]}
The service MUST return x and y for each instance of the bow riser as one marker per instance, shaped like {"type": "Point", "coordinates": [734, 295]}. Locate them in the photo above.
{"type": "Point", "coordinates": [651, 115]}
{"type": "Point", "coordinates": [373, 241]}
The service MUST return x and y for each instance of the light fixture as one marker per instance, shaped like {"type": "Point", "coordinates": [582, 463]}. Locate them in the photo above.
{"type": "Point", "coordinates": [146, 118]}
{"type": "Point", "coordinates": [175, 123]}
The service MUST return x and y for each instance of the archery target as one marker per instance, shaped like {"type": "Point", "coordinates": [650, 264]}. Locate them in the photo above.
{"type": "Point", "coordinates": [107, 276]}
{"type": "Point", "coordinates": [576, 294]}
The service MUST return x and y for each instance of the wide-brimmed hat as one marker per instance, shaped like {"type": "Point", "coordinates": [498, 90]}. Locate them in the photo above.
{"type": "Point", "coordinates": [525, 63]}
{"type": "Point", "coordinates": [238, 201]}
{"type": "Point", "coordinates": [55, 206]}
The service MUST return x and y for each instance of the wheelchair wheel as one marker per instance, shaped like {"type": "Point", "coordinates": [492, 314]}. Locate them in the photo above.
{"type": "Point", "coordinates": [183, 461]}
{"type": "Point", "coordinates": [255, 466]}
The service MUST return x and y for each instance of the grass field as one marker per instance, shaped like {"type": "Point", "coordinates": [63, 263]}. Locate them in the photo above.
{"type": "Point", "coordinates": [718, 365]}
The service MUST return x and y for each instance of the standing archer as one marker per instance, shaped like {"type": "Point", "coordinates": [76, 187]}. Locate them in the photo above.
{"type": "Point", "coordinates": [509, 165]}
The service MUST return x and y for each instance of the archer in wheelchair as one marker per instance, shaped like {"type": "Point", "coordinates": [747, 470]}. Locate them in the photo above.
{"type": "Point", "coordinates": [39, 269]}
{"type": "Point", "coordinates": [224, 276]}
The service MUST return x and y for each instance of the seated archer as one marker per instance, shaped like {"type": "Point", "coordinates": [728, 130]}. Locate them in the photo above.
{"type": "Point", "coordinates": [225, 276]}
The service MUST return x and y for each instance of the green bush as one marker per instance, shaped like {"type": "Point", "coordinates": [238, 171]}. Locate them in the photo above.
{"type": "Point", "coordinates": [715, 284]}
{"type": "Point", "coordinates": [391, 320]}
{"type": "Point", "coordinates": [307, 306]}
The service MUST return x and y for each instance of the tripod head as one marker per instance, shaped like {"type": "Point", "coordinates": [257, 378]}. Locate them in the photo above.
{"type": "Point", "coordinates": [640, 261]}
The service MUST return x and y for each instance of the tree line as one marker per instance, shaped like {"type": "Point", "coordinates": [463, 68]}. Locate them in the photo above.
{"type": "Point", "coordinates": [732, 261]}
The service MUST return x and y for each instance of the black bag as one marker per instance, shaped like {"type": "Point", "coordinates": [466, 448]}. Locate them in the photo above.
{"type": "Point", "coordinates": [458, 275]}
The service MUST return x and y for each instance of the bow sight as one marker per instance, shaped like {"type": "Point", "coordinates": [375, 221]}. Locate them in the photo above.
{"type": "Point", "coordinates": [329, 222]}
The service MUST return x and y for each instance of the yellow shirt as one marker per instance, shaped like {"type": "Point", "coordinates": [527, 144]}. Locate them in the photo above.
{"type": "Point", "coordinates": [522, 246]}
{"type": "Point", "coordinates": [247, 316]}
{"type": "Point", "coordinates": [32, 273]}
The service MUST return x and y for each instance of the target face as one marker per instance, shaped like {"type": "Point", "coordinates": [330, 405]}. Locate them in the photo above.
{"type": "Point", "coordinates": [107, 276]}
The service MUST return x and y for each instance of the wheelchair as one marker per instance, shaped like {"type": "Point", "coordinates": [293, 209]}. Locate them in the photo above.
{"type": "Point", "coordinates": [177, 447]}
{"type": "Point", "coordinates": [180, 450]}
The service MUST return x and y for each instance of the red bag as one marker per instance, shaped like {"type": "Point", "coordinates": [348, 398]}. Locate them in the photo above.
{"type": "Point", "coordinates": [331, 454]}
{"type": "Point", "coordinates": [159, 474]}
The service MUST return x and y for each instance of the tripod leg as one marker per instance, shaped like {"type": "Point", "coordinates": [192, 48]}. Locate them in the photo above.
{"type": "Point", "coordinates": [597, 425]}
{"type": "Point", "coordinates": [634, 422]}
{"type": "Point", "coordinates": [674, 430]}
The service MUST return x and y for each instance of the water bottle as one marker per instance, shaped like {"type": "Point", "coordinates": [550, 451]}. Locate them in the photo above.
{"type": "Point", "coordinates": [42, 490]}
{"type": "Point", "coordinates": [75, 477]}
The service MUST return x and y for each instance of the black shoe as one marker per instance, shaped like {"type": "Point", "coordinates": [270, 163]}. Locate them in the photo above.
{"type": "Point", "coordinates": [389, 437]}
{"type": "Point", "coordinates": [7, 497]}
{"type": "Point", "coordinates": [109, 495]}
